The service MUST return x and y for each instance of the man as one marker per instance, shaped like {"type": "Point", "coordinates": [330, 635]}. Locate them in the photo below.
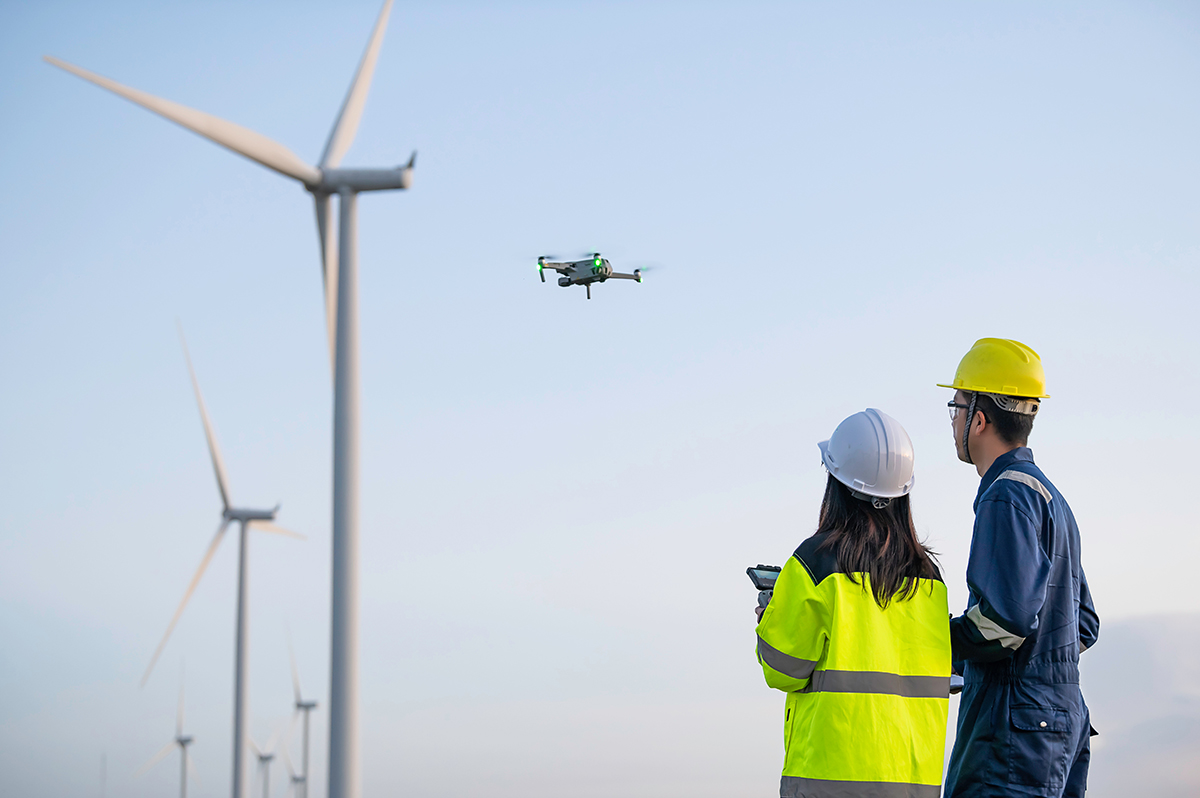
{"type": "Point", "coordinates": [1023, 726]}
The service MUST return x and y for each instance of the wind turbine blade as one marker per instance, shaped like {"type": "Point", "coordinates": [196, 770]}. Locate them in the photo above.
{"type": "Point", "coordinates": [208, 555]}
{"type": "Point", "coordinates": [295, 675]}
{"type": "Point", "coordinates": [270, 749]}
{"type": "Point", "coordinates": [213, 450]}
{"type": "Point", "coordinates": [287, 733]}
{"type": "Point", "coordinates": [329, 272]}
{"type": "Point", "coordinates": [267, 526]}
{"type": "Point", "coordinates": [342, 135]}
{"type": "Point", "coordinates": [191, 763]}
{"type": "Point", "coordinates": [154, 760]}
{"type": "Point", "coordinates": [243, 141]}
{"type": "Point", "coordinates": [179, 714]}
{"type": "Point", "coordinates": [257, 752]}
{"type": "Point", "coordinates": [287, 763]}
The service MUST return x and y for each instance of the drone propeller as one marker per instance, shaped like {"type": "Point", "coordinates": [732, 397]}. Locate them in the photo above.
{"type": "Point", "coordinates": [589, 255]}
{"type": "Point", "coordinates": [646, 267]}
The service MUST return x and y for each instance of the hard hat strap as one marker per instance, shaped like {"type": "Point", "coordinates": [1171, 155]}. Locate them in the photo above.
{"type": "Point", "coordinates": [967, 428]}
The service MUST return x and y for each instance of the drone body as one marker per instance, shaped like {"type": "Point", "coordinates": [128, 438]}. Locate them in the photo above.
{"type": "Point", "coordinates": [594, 269]}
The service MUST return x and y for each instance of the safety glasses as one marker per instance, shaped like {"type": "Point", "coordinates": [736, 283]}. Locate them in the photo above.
{"type": "Point", "coordinates": [954, 408]}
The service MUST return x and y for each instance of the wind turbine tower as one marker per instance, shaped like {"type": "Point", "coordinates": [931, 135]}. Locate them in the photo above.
{"type": "Point", "coordinates": [247, 519]}
{"type": "Point", "coordinates": [339, 260]}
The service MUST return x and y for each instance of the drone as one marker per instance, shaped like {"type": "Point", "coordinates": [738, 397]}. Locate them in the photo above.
{"type": "Point", "coordinates": [594, 269]}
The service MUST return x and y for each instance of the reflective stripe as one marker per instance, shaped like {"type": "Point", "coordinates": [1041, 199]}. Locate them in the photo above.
{"type": "Point", "coordinates": [1026, 479]}
{"type": "Point", "coordinates": [785, 663]}
{"type": "Point", "coordinates": [797, 787]}
{"type": "Point", "coordinates": [992, 630]}
{"type": "Point", "coordinates": [876, 682]}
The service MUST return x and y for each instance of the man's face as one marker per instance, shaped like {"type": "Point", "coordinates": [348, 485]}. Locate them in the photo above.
{"type": "Point", "coordinates": [958, 419]}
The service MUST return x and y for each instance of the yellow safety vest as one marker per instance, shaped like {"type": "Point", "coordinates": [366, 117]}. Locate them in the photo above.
{"type": "Point", "coordinates": [868, 688]}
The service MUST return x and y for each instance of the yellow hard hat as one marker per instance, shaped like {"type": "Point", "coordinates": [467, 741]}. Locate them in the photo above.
{"type": "Point", "coordinates": [1001, 366]}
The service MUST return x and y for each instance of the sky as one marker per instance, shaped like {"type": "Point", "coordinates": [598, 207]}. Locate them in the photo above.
{"type": "Point", "coordinates": [560, 496]}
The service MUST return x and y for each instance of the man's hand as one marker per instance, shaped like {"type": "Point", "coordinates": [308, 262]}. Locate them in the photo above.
{"type": "Point", "coordinates": [758, 611]}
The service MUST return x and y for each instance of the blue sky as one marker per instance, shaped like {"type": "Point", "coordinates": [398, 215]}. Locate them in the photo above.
{"type": "Point", "coordinates": [559, 496]}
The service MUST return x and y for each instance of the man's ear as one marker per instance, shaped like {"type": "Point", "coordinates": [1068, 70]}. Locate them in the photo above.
{"type": "Point", "coordinates": [979, 423]}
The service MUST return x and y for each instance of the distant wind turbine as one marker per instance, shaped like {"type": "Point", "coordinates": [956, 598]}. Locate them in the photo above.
{"type": "Point", "coordinates": [265, 755]}
{"type": "Point", "coordinates": [300, 706]}
{"type": "Point", "coordinates": [181, 740]}
{"type": "Point", "coordinates": [298, 784]}
{"type": "Point", "coordinates": [247, 520]}
{"type": "Point", "coordinates": [339, 260]}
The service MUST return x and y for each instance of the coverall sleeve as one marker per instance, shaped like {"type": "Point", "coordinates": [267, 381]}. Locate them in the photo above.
{"type": "Point", "coordinates": [793, 629]}
{"type": "Point", "coordinates": [1007, 574]}
{"type": "Point", "coordinates": [1089, 621]}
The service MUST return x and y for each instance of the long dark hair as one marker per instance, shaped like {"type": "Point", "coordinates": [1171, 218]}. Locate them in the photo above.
{"type": "Point", "coordinates": [880, 542]}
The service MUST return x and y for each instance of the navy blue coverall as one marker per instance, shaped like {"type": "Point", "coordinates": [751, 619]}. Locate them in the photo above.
{"type": "Point", "coordinates": [1023, 726]}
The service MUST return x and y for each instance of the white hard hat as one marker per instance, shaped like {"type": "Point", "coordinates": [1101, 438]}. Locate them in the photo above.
{"type": "Point", "coordinates": [872, 455]}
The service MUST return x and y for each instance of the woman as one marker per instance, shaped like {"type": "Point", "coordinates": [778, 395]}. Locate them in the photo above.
{"type": "Point", "coordinates": [857, 631]}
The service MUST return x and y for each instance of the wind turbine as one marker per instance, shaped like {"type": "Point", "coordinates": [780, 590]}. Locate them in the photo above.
{"type": "Point", "coordinates": [298, 785]}
{"type": "Point", "coordinates": [247, 519]}
{"type": "Point", "coordinates": [181, 740]}
{"type": "Point", "coordinates": [339, 260]}
{"type": "Point", "coordinates": [264, 762]}
{"type": "Point", "coordinates": [300, 706]}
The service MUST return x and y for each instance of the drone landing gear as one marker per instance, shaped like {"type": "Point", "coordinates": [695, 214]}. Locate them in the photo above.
{"type": "Point", "coordinates": [588, 286]}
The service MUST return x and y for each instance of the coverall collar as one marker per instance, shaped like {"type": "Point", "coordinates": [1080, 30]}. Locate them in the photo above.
{"type": "Point", "coordinates": [1001, 464]}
